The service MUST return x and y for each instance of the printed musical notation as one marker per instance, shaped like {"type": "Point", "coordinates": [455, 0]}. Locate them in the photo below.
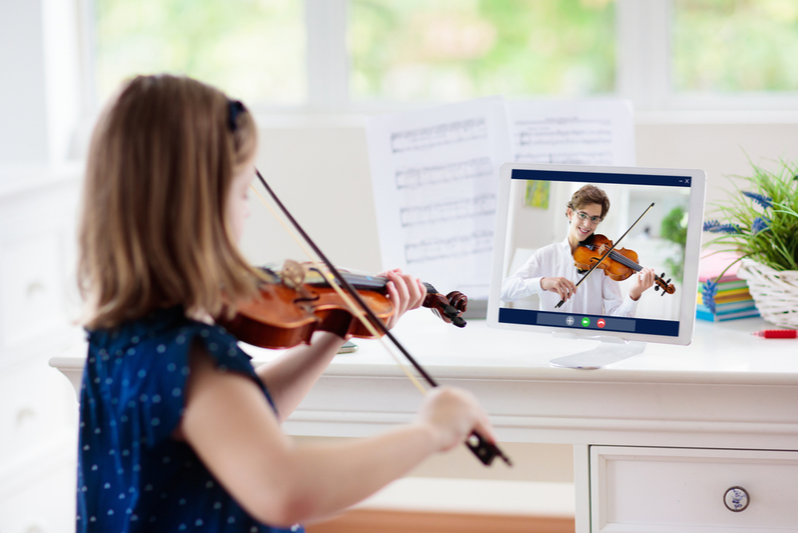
{"type": "Point", "coordinates": [484, 204]}
{"type": "Point", "coordinates": [457, 246]}
{"type": "Point", "coordinates": [573, 132]}
{"type": "Point", "coordinates": [566, 141]}
{"type": "Point", "coordinates": [417, 177]}
{"type": "Point", "coordinates": [584, 157]}
{"type": "Point", "coordinates": [434, 179]}
{"type": "Point", "coordinates": [439, 135]}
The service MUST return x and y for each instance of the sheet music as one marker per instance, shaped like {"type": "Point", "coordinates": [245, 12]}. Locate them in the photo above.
{"type": "Point", "coordinates": [575, 132]}
{"type": "Point", "coordinates": [434, 175]}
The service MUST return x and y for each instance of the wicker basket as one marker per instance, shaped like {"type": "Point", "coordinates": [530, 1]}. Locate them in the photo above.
{"type": "Point", "coordinates": [775, 292]}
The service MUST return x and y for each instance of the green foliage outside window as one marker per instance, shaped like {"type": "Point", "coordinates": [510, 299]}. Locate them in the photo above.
{"type": "Point", "coordinates": [442, 50]}
{"type": "Point", "coordinates": [729, 46]}
{"type": "Point", "coordinates": [456, 49]}
{"type": "Point", "coordinates": [252, 49]}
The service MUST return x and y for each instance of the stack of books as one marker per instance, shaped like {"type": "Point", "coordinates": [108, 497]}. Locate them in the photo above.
{"type": "Point", "coordinates": [733, 299]}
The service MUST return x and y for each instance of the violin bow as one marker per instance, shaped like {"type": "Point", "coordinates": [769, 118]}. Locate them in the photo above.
{"type": "Point", "coordinates": [594, 266]}
{"type": "Point", "coordinates": [484, 450]}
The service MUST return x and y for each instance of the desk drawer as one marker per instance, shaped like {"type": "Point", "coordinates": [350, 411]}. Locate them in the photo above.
{"type": "Point", "coordinates": [677, 490]}
{"type": "Point", "coordinates": [31, 288]}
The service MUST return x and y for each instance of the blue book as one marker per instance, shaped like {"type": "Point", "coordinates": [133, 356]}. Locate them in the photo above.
{"type": "Point", "coordinates": [705, 314]}
{"type": "Point", "coordinates": [730, 307]}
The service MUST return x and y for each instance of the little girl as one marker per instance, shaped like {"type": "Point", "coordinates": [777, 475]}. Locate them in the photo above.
{"type": "Point", "coordinates": [178, 431]}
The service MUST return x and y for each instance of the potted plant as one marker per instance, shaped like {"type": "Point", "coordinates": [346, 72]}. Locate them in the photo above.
{"type": "Point", "coordinates": [759, 223]}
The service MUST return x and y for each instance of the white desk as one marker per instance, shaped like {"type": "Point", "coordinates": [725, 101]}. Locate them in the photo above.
{"type": "Point", "coordinates": [658, 438]}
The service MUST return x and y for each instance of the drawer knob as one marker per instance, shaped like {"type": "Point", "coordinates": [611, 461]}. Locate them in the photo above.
{"type": "Point", "coordinates": [736, 499]}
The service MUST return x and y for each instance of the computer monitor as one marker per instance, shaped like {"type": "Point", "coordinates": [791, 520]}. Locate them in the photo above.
{"type": "Point", "coordinates": [549, 215]}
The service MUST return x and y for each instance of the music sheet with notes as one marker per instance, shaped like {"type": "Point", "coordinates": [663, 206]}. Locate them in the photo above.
{"type": "Point", "coordinates": [435, 171]}
{"type": "Point", "coordinates": [573, 132]}
{"type": "Point", "coordinates": [434, 177]}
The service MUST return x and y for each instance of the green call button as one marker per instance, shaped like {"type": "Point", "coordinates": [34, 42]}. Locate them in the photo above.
{"type": "Point", "coordinates": [586, 322]}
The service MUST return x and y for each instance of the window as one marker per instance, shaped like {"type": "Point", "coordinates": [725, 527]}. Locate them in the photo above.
{"type": "Point", "coordinates": [446, 50]}
{"type": "Point", "coordinates": [252, 49]}
{"type": "Point", "coordinates": [730, 46]}
{"type": "Point", "coordinates": [346, 55]}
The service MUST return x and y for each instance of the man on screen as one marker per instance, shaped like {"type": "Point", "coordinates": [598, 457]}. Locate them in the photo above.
{"type": "Point", "coordinates": [551, 274]}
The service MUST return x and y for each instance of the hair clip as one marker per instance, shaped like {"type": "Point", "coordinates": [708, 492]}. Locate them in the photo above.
{"type": "Point", "coordinates": [234, 108]}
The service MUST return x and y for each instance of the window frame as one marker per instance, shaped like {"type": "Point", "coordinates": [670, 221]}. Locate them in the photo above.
{"type": "Point", "coordinates": [643, 77]}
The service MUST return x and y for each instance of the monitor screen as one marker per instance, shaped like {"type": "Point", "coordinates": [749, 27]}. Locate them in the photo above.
{"type": "Point", "coordinates": [575, 244]}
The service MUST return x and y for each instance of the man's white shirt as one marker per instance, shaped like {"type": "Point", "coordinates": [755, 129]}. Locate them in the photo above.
{"type": "Point", "coordinates": [597, 295]}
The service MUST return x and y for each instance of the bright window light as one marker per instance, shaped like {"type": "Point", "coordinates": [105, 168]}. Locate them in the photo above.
{"type": "Point", "coordinates": [251, 49]}
{"type": "Point", "coordinates": [446, 50]}
{"type": "Point", "coordinates": [734, 46]}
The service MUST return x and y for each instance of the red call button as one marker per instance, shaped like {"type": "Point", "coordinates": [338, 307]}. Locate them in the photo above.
{"type": "Point", "coordinates": [601, 323]}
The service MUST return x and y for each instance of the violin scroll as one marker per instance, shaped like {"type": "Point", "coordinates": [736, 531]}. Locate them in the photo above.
{"type": "Point", "coordinates": [666, 286]}
{"type": "Point", "coordinates": [449, 308]}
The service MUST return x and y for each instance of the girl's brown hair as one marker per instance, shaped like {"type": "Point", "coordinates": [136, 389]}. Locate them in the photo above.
{"type": "Point", "coordinates": [154, 231]}
{"type": "Point", "coordinates": [589, 194]}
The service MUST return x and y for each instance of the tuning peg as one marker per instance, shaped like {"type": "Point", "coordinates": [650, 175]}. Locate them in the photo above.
{"type": "Point", "coordinates": [662, 276]}
{"type": "Point", "coordinates": [656, 287]}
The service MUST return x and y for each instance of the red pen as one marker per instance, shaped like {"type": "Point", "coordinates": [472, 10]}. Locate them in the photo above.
{"type": "Point", "coordinates": [777, 333]}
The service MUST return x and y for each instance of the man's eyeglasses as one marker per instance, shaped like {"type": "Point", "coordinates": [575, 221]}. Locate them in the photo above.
{"type": "Point", "coordinates": [585, 216]}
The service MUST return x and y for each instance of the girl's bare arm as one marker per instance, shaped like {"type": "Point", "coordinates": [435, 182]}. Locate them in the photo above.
{"type": "Point", "coordinates": [235, 433]}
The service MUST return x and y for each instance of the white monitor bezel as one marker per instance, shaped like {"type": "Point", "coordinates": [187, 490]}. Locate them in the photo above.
{"type": "Point", "coordinates": [693, 239]}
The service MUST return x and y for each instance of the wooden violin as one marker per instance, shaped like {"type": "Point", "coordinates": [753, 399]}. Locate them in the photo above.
{"type": "Point", "coordinates": [603, 256]}
{"type": "Point", "coordinates": [619, 264]}
{"type": "Point", "coordinates": [296, 302]}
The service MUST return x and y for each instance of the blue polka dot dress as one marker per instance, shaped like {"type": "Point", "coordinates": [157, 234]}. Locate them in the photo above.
{"type": "Point", "coordinates": [132, 476]}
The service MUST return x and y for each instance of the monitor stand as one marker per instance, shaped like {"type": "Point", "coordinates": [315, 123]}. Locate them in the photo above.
{"type": "Point", "coordinates": [610, 350]}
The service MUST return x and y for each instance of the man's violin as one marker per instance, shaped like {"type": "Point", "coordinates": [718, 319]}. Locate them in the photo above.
{"type": "Point", "coordinates": [619, 265]}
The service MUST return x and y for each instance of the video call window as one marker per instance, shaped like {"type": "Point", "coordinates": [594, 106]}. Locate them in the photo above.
{"type": "Point", "coordinates": [537, 246]}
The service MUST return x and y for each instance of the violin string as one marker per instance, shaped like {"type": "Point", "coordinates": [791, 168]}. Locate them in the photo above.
{"type": "Point", "coordinates": [344, 296]}
{"type": "Point", "coordinates": [631, 264]}
{"type": "Point", "coordinates": [618, 257]}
